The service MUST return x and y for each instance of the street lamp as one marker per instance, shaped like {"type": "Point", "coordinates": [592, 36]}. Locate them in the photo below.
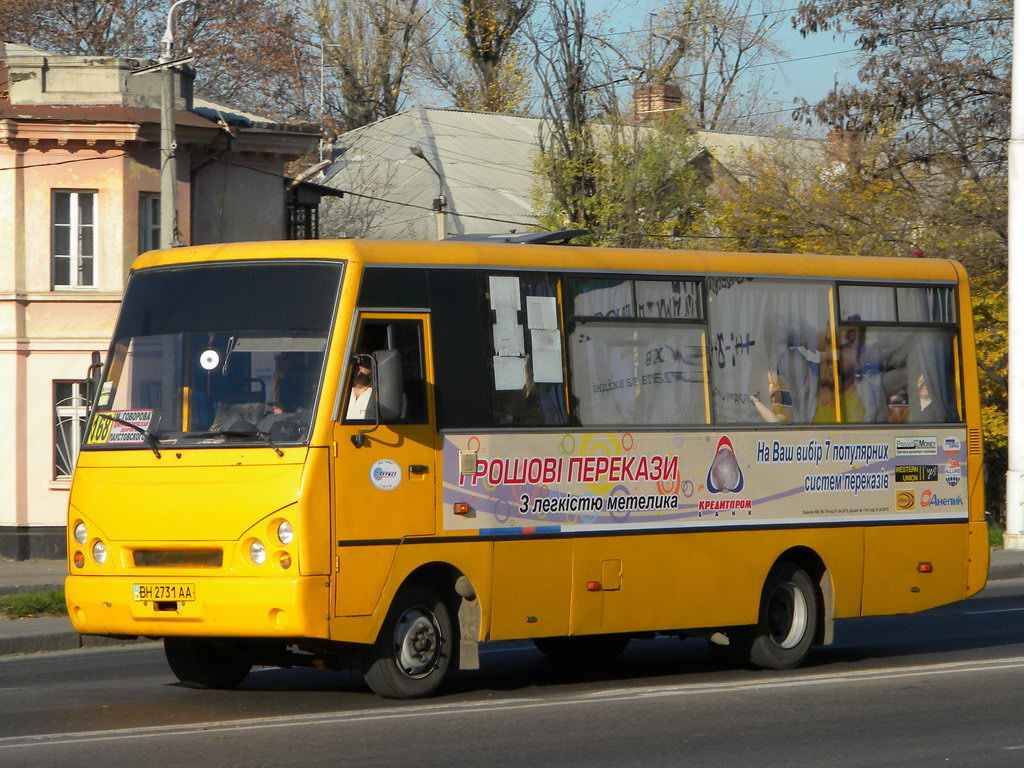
{"type": "Point", "coordinates": [440, 202]}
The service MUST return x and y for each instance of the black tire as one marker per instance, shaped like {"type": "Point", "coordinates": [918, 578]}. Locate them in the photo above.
{"type": "Point", "coordinates": [583, 649]}
{"type": "Point", "coordinates": [790, 615]}
{"type": "Point", "coordinates": [415, 648]}
{"type": "Point", "coordinates": [205, 663]}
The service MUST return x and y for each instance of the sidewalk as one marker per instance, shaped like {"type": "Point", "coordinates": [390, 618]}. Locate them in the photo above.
{"type": "Point", "coordinates": [54, 633]}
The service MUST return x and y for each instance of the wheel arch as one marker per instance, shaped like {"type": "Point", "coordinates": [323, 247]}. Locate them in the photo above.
{"type": "Point", "coordinates": [812, 562]}
{"type": "Point", "coordinates": [459, 592]}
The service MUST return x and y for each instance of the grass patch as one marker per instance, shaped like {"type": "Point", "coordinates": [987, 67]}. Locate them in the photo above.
{"type": "Point", "coordinates": [995, 535]}
{"type": "Point", "coordinates": [29, 605]}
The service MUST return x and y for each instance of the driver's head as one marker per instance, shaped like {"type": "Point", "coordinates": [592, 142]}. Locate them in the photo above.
{"type": "Point", "coordinates": [361, 376]}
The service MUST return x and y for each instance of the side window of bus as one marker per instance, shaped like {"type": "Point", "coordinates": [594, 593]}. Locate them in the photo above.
{"type": "Point", "coordinates": [771, 351]}
{"type": "Point", "coordinates": [638, 352]}
{"type": "Point", "coordinates": [525, 344]}
{"type": "Point", "coordinates": [898, 355]}
{"type": "Point", "coordinates": [405, 336]}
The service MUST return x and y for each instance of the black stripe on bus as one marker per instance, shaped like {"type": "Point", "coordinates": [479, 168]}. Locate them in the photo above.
{"type": "Point", "coordinates": [639, 532]}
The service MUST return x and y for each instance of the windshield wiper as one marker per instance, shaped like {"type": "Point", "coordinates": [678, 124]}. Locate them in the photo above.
{"type": "Point", "coordinates": [151, 439]}
{"type": "Point", "coordinates": [254, 432]}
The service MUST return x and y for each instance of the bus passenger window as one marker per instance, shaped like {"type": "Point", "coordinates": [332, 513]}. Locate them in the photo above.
{"type": "Point", "coordinates": [771, 351]}
{"type": "Point", "coordinates": [897, 375]}
{"type": "Point", "coordinates": [638, 352]}
{"type": "Point", "coordinates": [406, 336]}
{"type": "Point", "coordinates": [897, 354]}
{"type": "Point", "coordinates": [526, 351]}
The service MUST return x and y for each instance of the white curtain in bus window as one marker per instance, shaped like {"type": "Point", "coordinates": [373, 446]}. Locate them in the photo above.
{"type": "Point", "coordinates": [898, 376]}
{"type": "Point", "coordinates": [603, 298]}
{"type": "Point", "coordinates": [639, 374]}
{"type": "Point", "coordinates": [867, 303]}
{"type": "Point", "coordinates": [926, 305]}
{"type": "Point", "coordinates": [770, 351]}
{"type": "Point", "coordinates": [668, 299]}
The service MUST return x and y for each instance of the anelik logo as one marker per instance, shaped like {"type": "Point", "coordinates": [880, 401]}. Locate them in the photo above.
{"type": "Point", "coordinates": [725, 475]}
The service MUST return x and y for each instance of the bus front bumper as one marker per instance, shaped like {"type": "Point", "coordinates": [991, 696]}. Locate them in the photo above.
{"type": "Point", "coordinates": [212, 607]}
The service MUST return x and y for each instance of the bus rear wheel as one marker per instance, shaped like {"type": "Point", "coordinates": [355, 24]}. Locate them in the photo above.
{"type": "Point", "coordinates": [583, 649]}
{"type": "Point", "coordinates": [413, 652]}
{"type": "Point", "coordinates": [789, 618]}
{"type": "Point", "coordinates": [205, 663]}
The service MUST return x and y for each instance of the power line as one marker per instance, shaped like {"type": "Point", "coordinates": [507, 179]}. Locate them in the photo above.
{"type": "Point", "coordinates": [701, 20]}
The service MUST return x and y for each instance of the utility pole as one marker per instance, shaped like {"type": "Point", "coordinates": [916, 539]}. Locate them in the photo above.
{"type": "Point", "coordinates": [1014, 537]}
{"type": "Point", "coordinates": [168, 143]}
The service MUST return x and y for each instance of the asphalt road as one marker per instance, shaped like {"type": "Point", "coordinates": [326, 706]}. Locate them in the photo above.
{"type": "Point", "coordinates": [945, 687]}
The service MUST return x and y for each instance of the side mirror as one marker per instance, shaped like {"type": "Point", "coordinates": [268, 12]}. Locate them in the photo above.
{"type": "Point", "coordinates": [94, 375]}
{"type": "Point", "coordinates": [389, 394]}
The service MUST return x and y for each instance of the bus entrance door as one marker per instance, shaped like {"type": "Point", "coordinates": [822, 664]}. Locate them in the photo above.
{"type": "Point", "coordinates": [384, 489]}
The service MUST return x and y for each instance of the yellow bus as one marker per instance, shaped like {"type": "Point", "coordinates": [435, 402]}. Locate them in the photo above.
{"type": "Point", "coordinates": [381, 454]}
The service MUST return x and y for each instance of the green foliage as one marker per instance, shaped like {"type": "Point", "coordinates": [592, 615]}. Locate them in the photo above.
{"type": "Point", "coordinates": [990, 330]}
{"type": "Point", "coordinates": [32, 604]}
{"type": "Point", "coordinates": [995, 535]}
{"type": "Point", "coordinates": [633, 185]}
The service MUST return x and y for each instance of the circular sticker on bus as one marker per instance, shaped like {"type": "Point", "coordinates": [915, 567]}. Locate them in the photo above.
{"type": "Point", "coordinates": [385, 474]}
{"type": "Point", "coordinates": [209, 359]}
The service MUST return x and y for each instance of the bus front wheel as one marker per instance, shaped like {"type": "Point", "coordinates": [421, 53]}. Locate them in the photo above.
{"type": "Point", "coordinates": [788, 623]}
{"type": "Point", "coordinates": [205, 663]}
{"type": "Point", "coordinates": [413, 652]}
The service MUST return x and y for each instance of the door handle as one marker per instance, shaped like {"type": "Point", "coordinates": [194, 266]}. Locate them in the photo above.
{"type": "Point", "coordinates": [418, 469]}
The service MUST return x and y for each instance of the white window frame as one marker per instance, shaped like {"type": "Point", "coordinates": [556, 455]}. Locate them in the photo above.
{"type": "Point", "coordinates": [76, 256]}
{"type": "Point", "coordinates": [149, 232]}
{"type": "Point", "coordinates": [74, 411]}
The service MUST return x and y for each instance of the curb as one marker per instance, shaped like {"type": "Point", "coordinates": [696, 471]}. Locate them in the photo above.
{"type": "Point", "coordinates": [30, 588]}
{"type": "Point", "coordinates": [45, 642]}
{"type": "Point", "coordinates": [1006, 571]}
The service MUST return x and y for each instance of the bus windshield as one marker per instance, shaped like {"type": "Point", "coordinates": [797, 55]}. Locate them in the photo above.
{"type": "Point", "coordinates": [217, 355]}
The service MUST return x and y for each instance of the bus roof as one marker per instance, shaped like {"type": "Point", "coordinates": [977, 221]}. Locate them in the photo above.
{"type": "Point", "coordinates": [561, 258]}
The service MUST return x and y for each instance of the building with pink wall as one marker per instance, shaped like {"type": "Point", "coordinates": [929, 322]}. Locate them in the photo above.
{"type": "Point", "coordinates": [79, 200]}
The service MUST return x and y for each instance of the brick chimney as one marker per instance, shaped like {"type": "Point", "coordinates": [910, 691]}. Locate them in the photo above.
{"type": "Point", "coordinates": [844, 147]}
{"type": "Point", "coordinates": [655, 100]}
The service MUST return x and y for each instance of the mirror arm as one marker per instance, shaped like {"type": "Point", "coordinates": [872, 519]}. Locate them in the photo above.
{"type": "Point", "coordinates": [359, 438]}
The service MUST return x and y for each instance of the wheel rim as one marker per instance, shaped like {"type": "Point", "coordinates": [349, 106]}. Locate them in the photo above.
{"type": "Point", "coordinates": [787, 615]}
{"type": "Point", "coordinates": [417, 643]}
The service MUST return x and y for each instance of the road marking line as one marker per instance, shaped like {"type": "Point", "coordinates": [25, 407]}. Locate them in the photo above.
{"type": "Point", "coordinates": [994, 610]}
{"type": "Point", "coordinates": [497, 705]}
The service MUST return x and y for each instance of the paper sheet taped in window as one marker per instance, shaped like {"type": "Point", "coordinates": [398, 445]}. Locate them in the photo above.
{"type": "Point", "coordinates": [542, 312]}
{"type": "Point", "coordinates": [509, 341]}
{"type": "Point", "coordinates": [509, 372]}
{"type": "Point", "coordinates": [504, 292]}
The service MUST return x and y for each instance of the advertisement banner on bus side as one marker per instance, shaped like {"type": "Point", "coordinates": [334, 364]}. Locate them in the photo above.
{"type": "Point", "coordinates": [562, 482]}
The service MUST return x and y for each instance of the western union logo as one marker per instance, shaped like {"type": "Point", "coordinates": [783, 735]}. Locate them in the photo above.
{"type": "Point", "coordinates": [905, 500]}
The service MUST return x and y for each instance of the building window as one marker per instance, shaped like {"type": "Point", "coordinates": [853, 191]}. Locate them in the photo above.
{"type": "Point", "coordinates": [73, 234]}
{"type": "Point", "coordinates": [303, 222]}
{"type": "Point", "coordinates": [70, 408]}
{"type": "Point", "coordinates": [149, 221]}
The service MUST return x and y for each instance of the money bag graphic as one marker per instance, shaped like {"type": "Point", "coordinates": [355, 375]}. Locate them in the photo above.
{"type": "Point", "coordinates": [725, 473]}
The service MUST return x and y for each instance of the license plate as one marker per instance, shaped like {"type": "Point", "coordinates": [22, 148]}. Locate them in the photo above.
{"type": "Point", "coordinates": [179, 592]}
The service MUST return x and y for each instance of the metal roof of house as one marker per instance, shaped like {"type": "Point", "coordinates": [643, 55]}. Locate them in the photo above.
{"type": "Point", "coordinates": [486, 161]}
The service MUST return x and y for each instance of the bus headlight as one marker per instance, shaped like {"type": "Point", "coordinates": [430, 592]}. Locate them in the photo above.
{"type": "Point", "coordinates": [99, 552]}
{"type": "Point", "coordinates": [257, 552]}
{"type": "Point", "coordinates": [285, 534]}
{"type": "Point", "coordinates": [81, 532]}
